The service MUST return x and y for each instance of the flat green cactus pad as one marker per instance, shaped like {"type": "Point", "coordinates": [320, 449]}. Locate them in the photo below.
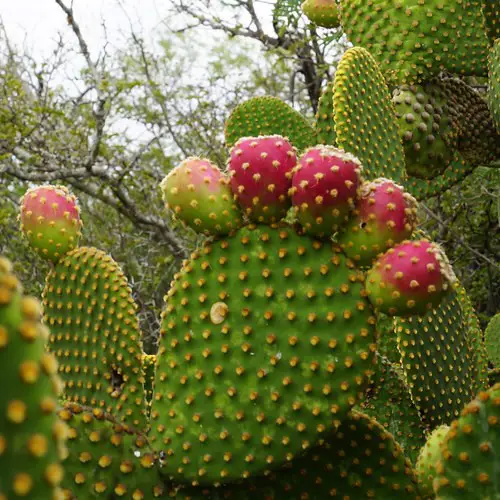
{"type": "Point", "coordinates": [389, 402]}
{"type": "Point", "coordinates": [429, 128]}
{"type": "Point", "coordinates": [268, 116]}
{"type": "Point", "coordinates": [492, 340]}
{"type": "Point", "coordinates": [104, 460]}
{"type": "Point", "coordinates": [470, 459]}
{"type": "Point", "coordinates": [325, 117]}
{"type": "Point", "coordinates": [267, 341]}
{"type": "Point", "coordinates": [491, 13]}
{"type": "Point", "coordinates": [453, 174]}
{"type": "Point", "coordinates": [31, 437]}
{"type": "Point", "coordinates": [494, 89]}
{"type": "Point", "coordinates": [359, 460]}
{"type": "Point", "coordinates": [95, 334]}
{"type": "Point", "coordinates": [439, 360]}
{"type": "Point", "coordinates": [415, 39]}
{"type": "Point", "coordinates": [365, 119]}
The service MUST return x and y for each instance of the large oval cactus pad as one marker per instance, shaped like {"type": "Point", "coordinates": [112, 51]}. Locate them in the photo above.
{"type": "Point", "coordinates": [267, 342]}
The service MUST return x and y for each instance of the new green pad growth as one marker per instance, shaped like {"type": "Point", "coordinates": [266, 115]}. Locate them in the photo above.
{"type": "Point", "coordinates": [470, 460]}
{"type": "Point", "coordinates": [365, 123]}
{"type": "Point", "coordinates": [95, 334]}
{"type": "Point", "coordinates": [267, 341]}
{"type": "Point", "coordinates": [268, 116]}
{"type": "Point", "coordinates": [31, 436]}
{"type": "Point", "coordinates": [492, 340]}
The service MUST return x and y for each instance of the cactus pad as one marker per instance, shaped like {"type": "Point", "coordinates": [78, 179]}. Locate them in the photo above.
{"type": "Point", "coordinates": [491, 13]}
{"type": "Point", "coordinates": [365, 122]}
{"type": "Point", "coordinates": [267, 341]}
{"type": "Point", "coordinates": [415, 39]}
{"type": "Point", "coordinates": [428, 126]}
{"type": "Point", "coordinates": [95, 334]}
{"type": "Point", "coordinates": [470, 461]}
{"type": "Point", "coordinates": [492, 340]}
{"type": "Point", "coordinates": [360, 460]}
{"type": "Point", "coordinates": [325, 117]}
{"type": "Point", "coordinates": [104, 460]}
{"type": "Point", "coordinates": [428, 458]}
{"type": "Point", "coordinates": [50, 220]}
{"type": "Point", "coordinates": [199, 195]}
{"type": "Point", "coordinates": [389, 402]}
{"type": "Point", "coordinates": [268, 116]}
{"type": "Point", "coordinates": [439, 361]}
{"type": "Point", "coordinates": [494, 90]}
{"type": "Point", "coordinates": [31, 437]}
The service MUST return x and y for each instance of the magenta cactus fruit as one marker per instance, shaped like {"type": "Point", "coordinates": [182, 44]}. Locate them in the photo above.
{"type": "Point", "coordinates": [261, 175]}
{"type": "Point", "coordinates": [198, 194]}
{"type": "Point", "coordinates": [324, 189]}
{"type": "Point", "coordinates": [50, 220]}
{"type": "Point", "coordinates": [409, 278]}
{"type": "Point", "coordinates": [384, 216]}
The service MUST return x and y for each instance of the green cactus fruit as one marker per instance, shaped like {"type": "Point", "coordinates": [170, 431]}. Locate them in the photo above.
{"type": "Point", "coordinates": [429, 128]}
{"type": "Point", "coordinates": [491, 14]}
{"type": "Point", "coordinates": [95, 334]}
{"type": "Point", "coordinates": [439, 361]}
{"type": "Point", "coordinates": [359, 460]}
{"type": "Point", "coordinates": [422, 189]}
{"type": "Point", "coordinates": [384, 216]}
{"type": "Point", "coordinates": [479, 141]}
{"type": "Point", "coordinates": [325, 117]}
{"type": "Point", "coordinates": [105, 460]}
{"type": "Point", "coordinates": [415, 39]}
{"type": "Point", "coordinates": [50, 220]}
{"type": "Point", "coordinates": [268, 116]}
{"type": "Point", "coordinates": [324, 13]}
{"type": "Point", "coordinates": [494, 88]}
{"type": "Point", "coordinates": [410, 278]}
{"type": "Point", "coordinates": [198, 194]}
{"type": "Point", "coordinates": [267, 341]}
{"type": "Point", "coordinates": [31, 437]}
{"type": "Point", "coordinates": [428, 458]}
{"type": "Point", "coordinates": [470, 460]}
{"type": "Point", "coordinates": [388, 401]}
{"type": "Point", "coordinates": [360, 94]}
{"type": "Point", "coordinates": [492, 340]}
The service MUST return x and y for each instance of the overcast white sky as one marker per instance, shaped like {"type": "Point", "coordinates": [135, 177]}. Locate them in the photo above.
{"type": "Point", "coordinates": [35, 23]}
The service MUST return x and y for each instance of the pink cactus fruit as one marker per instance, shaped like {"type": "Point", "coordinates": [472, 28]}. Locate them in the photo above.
{"type": "Point", "coordinates": [199, 195]}
{"type": "Point", "coordinates": [261, 175]}
{"type": "Point", "coordinates": [384, 216]}
{"type": "Point", "coordinates": [324, 189]}
{"type": "Point", "coordinates": [50, 220]}
{"type": "Point", "coordinates": [409, 278]}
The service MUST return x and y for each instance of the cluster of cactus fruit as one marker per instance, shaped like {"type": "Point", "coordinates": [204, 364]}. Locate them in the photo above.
{"type": "Point", "coordinates": [318, 344]}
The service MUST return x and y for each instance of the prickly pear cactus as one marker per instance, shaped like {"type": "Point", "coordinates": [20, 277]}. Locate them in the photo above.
{"type": "Point", "coordinates": [492, 340]}
{"type": "Point", "coordinates": [31, 437]}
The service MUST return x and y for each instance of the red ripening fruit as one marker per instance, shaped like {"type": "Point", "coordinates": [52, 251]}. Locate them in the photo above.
{"type": "Point", "coordinates": [324, 189]}
{"type": "Point", "coordinates": [384, 216]}
{"type": "Point", "coordinates": [50, 220]}
{"type": "Point", "coordinates": [409, 279]}
{"type": "Point", "coordinates": [261, 175]}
